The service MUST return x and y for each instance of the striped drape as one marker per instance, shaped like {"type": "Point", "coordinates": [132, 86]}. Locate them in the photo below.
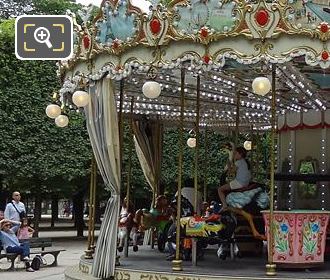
{"type": "Point", "coordinates": [102, 126]}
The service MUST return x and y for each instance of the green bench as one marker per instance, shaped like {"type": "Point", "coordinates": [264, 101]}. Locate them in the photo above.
{"type": "Point", "coordinates": [42, 243]}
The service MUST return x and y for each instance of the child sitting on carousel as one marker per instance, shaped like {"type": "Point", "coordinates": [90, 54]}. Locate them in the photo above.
{"type": "Point", "coordinates": [242, 178]}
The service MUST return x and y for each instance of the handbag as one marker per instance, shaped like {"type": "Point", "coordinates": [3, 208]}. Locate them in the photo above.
{"type": "Point", "coordinates": [22, 214]}
{"type": "Point", "coordinates": [36, 262]}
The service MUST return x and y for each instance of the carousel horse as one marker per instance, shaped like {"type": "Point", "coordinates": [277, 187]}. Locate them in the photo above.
{"type": "Point", "coordinates": [157, 218]}
{"type": "Point", "coordinates": [246, 200]}
{"type": "Point", "coordinates": [213, 228]}
{"type": "Point", "coordinates": [126, 227]}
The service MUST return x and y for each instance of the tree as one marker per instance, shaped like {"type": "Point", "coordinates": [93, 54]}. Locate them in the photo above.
{"type": "Point", "coordinates": [14, 8]}
{"type": "Point", "coordinates": [35, 155]}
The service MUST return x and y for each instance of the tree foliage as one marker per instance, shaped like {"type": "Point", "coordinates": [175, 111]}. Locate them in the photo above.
{"type": "Point", "coordinates": [33, 151]}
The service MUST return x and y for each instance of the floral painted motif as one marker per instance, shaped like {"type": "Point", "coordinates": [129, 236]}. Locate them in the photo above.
{"type": "Point", "coordinates": [310, 237]}
{"type": "Point", "coordinates": [281, 238]}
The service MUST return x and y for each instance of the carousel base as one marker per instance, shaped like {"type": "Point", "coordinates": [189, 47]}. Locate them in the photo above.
{"type": "Point", "coordinates": [149, 264]}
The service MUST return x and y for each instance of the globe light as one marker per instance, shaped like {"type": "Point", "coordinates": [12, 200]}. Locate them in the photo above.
{"type": "Point", "coordinates": [80, 98]}
{"type": "Point", "coordinates": [53, 111]}
{"type": "Point", "coordinates": [191, 142]}
{"type": "Point", "coordinates": [62, 121]}
{"type": "Point", "coordinates": [261, 86]}
{"type": "Point", "coordinates": [247, 145]}
{"type": "Point", "coordinates": [151, 89]}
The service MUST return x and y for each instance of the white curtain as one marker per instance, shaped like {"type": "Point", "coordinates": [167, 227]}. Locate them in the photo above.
{"type": "Point", "coordinates": [148, 145]}
{"type": "Point", "coordinates": [102, 126]}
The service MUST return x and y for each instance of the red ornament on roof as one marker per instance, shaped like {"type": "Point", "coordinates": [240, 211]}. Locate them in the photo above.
{"type": "Point", "coordinates": [115, 44]}
{"type": "Point", "coordinates": [155, 26]}
{"type": "Point", "coordinates": [86, 41]}
{"type": "Point", "coordinates": [204, 32]}
{"type": "Point", "coordinates": [324, 27]}
{"type": "Point", "coordinates": [325, 55]}
{"type": "Point", "coordinates": [206, 59]}
{"type": "Point", "coordinates": [262, 17]}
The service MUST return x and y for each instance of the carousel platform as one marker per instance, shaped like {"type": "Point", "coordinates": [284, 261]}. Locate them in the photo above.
{"type": "Point", "coordinates": [149, 264]}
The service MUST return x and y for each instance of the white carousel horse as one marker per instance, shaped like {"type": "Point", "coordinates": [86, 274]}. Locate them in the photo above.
{"type": "Point", "coordinates": [127, 226]}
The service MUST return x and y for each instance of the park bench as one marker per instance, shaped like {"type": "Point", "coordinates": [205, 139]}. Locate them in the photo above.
{"type": "Point", "coordinates": [34, 244]}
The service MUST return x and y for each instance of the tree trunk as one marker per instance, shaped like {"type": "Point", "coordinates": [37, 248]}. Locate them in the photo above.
{"type": "Point", "coordinates": [37, 214]}
{"type": "Point", "coordinates": [54, 211]}
{"type": "Point", "coordinates": [78, 211]}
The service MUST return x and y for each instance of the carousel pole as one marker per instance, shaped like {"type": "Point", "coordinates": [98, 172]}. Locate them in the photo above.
{"type": "Point", "coordinates": [197, 145]}
{"type": "Point", "coordinates": [271, 267]}
{"type": "Point", "coordinates": [205, 165]}
{"type": "Point", "coordinates": [121, 122]}
{"type": "Point", "coordinates": [238, 103]}
{"type": "Point", "coordinates": [177, 263]}
{"type": "Point", "coordinates": [194, 241]}
{"type": "Point", "coordinates": [92, 213]}
{"type": "Point", "coordinates": [129, 171]}
{"type": "Point", "coordinates": [89, 251]}
{"type": "Point", "coordinates": [121, 137]}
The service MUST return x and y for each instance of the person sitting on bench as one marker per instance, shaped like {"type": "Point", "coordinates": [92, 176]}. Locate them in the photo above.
{"type": "Point", "coordinates": [11, 243]}
{"type": "Point", "coordinates": [242, 179]}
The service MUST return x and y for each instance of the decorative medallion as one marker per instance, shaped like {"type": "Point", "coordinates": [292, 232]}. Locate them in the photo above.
{"type": "Point", "coordinates": [262, 17]}
{"type": "Point", "coordinates": [155, 26]}
{"type": "Point", "coordinates": [262, 20]}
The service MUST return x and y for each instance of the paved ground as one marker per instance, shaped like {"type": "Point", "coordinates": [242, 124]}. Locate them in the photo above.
{"type": "Point", "coordinates": [74, 249]}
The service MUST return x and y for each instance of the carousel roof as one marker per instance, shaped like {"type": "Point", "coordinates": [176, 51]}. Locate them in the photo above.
{"type": "Point", "coordinates": [226, 43]}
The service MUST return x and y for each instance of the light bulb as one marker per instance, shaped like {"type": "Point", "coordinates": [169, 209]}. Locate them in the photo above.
{"type": "Point", "coordinates": [80, 98]}
{"type": "Point", "coordinates": [53, 111]}
{"type": "Point", "coordinates": [62, 121]}
{"type": "Point", "coordinates": [261, 85]}
{"type": "Point", "coordinates": [151, 89]}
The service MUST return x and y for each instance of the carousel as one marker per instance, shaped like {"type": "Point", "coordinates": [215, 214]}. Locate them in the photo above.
{"type": "Point", "coordinates": [205, 65]}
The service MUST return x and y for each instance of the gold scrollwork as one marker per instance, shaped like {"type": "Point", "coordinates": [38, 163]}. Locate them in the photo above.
{"type": "Point", "coordinates": [84, 268]}
{"type": "Point", "coordinates": [153, 277]}
{"type": "Point", "coordinates": [120, 275]}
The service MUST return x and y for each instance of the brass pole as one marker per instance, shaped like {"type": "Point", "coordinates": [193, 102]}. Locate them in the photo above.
{"type": "Point", "coordinates": [129, 171]}
{"type": "Point", "coordinates": [121, 139]}
{"type": "Point", "coordinates": [89, 251]}
{"type": "Point", "coordinates": [197, 145]}
{"type": "Point", "coordinates": [238, 103]}
{"type": "Point", "coordinates": [177, 263]}
{"type": "Point", "coordinates": [92, 214]}
{"type": "Point", "coordinates": [252, 151]}
{"type": "Point", "coordinates": [205, 164]}
{"type": "Point", "coordinates": [121, 122]}
{"type": "Point", "coordinates": [271, 267]}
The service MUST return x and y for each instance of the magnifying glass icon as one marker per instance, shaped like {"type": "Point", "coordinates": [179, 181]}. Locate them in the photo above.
{"type": "Point", "coordinates": [41, 35]}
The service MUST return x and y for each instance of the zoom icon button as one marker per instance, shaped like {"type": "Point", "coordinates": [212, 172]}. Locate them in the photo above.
{"type": "Point", "coordinates": [43, 37]}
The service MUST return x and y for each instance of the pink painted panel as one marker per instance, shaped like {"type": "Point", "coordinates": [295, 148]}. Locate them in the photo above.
{"type": "Point", "coordinates": [299, 237]}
